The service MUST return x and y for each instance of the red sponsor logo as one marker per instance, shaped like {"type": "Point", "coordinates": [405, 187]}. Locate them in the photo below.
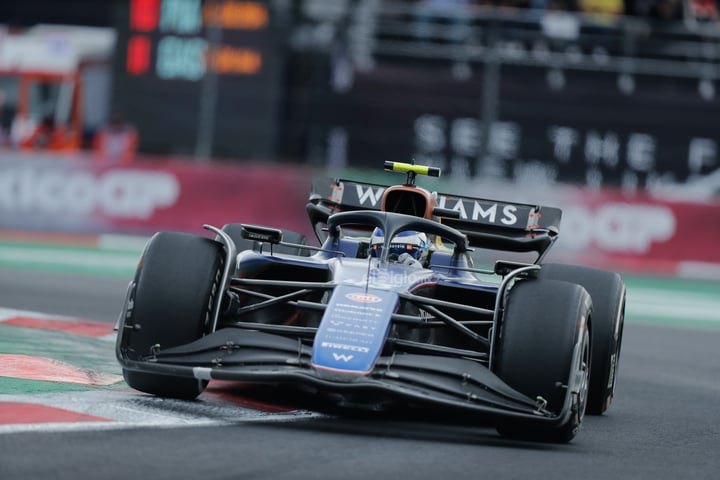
{"type": "Point", "coordinates": [363, 297]}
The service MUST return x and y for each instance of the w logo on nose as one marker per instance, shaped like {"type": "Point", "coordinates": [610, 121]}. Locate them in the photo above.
{"type": "Point", "coordinates": [342, 356]}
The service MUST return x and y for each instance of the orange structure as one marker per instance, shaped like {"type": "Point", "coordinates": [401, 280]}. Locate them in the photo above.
{"type": "Point", "coordinates": [43, 78]}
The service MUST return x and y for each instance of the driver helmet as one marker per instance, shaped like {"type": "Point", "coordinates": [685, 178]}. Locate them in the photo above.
{"type": "Point", "coordinates": [411, 242]}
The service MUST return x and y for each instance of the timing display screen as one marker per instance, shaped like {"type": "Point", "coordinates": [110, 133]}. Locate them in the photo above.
{"type": "Point", "coordinates": [184, 64]}
{"type": "Point", "coordinates": [168, 38]}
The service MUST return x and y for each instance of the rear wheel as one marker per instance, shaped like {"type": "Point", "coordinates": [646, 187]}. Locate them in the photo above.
{"type": "Point", "coordinates": [607, 290]}
{"type": "Point", "coordinates": [175, 289]}
{"type": "Point", "coordinates": [543, 351]}
{"type": "Point", "coordinates": [234, 231]}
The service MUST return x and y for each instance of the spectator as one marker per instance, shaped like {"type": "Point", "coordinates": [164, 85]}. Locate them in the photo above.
{"type": "Point", "coordinates": [704, 10]}
{"type": "Point", "coordinates": [49, 136]}
{"type": "Point", "coordinates": [662, 10]}
{"type": "Point", "coordinates": [4, 137]}
{"type": "Point", "coordinates": [443, 20]}
{"type": "Point", "coordinates": [117, 143]}
{"type": "Point", "coordinates": [602, 8]}
{"type": "Point", "coordinates": [566, 5]}
{"type": "Point", "coordinates": [554, 5]}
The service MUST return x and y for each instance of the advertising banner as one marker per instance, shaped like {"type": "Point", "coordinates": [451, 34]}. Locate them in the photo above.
{"type": "Point", "coordinates": [61, 194]}
{"type": "Point", "coordinates": [637, 233]}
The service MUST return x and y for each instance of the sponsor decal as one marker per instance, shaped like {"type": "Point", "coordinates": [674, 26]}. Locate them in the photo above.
{"type": "Point", "coordinates": [336, 192]}
{"type": "Point", "coordinates": [363, 297]}
{"type": "Point", "coordinates": [611, 377]}
{"type": "Point", "coordinates": [130, 194]}
{"type": "Point", "coordinates": [618, 227]}
{"type": "Point", "coordinates": [342, 346]}
{"type": "Point", "coordinates": [478, 211]}
{"type": "Point", "coordinates": [369, 195]}
{"type": "Point", "coordinates": [342, 356]}
{"type": "Point", "coordinates": [468, 209]}
{"type": "Point", "coordinates": [383, 278]}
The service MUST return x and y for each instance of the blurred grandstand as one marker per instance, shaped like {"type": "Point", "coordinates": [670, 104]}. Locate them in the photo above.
{"type": "Point", "coordinates": [593, 104]}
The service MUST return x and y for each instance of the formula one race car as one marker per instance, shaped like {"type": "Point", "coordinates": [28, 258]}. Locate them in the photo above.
{"type": "Point", "coordinates": [388, 313]}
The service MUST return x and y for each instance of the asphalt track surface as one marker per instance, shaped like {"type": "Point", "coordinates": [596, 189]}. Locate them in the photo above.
{"type": "Point", "coordinates": [664, 424]}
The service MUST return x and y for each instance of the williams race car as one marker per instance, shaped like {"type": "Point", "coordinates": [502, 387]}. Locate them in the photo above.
{"type": "Point", "coordinates": [389, 313]}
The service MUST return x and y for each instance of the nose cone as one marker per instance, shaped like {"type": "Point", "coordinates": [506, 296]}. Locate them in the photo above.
{"type": "Point", "coordinates": [353, 329]}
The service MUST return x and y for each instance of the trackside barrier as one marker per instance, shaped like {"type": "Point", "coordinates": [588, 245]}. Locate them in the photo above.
{"type": "Point", "coordinates": [73, 194]}
{"type": "Point", "coordinates": [73, 200]}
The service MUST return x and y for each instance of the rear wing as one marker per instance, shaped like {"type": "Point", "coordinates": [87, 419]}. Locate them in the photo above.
{"type": "Point", "coordinates": [492, 224]}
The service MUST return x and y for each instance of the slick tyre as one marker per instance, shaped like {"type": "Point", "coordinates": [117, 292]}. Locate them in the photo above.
{"type": "Point", "coordinates": [171, 303]}
{"type": "Point", "coordinates": [607, 291]}
{"type": "Point", "coordinates": [543, 351]}
{"type": "Point", "coordinates": [234, 230]}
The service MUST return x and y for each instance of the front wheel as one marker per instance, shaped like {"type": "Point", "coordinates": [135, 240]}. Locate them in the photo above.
{"type": "Point", "coordinates": [170, 304]}
{"type": "Point", "coordinates": [543, 351]}
{"type": "Point", "coordinates": [607, 290]}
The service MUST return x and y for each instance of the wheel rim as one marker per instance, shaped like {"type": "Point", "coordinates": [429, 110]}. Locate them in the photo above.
{"type": "Point", "coordinates": [616, 356]}
{"type": "Point", "coordinates": [582, 377]}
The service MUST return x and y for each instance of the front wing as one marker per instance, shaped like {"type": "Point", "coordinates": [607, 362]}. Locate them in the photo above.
{"type": "Point", "coordinates": [413, 379]}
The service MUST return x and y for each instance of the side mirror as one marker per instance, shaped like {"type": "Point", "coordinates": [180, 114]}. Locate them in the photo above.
{"type": "Point", "coordinates": [262, 234]}
{"type": "Point", "coordinates": [445, 212]}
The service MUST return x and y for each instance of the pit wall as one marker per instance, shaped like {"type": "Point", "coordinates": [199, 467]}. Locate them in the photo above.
{"type": "Point", "coordinates": [73, 195]}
